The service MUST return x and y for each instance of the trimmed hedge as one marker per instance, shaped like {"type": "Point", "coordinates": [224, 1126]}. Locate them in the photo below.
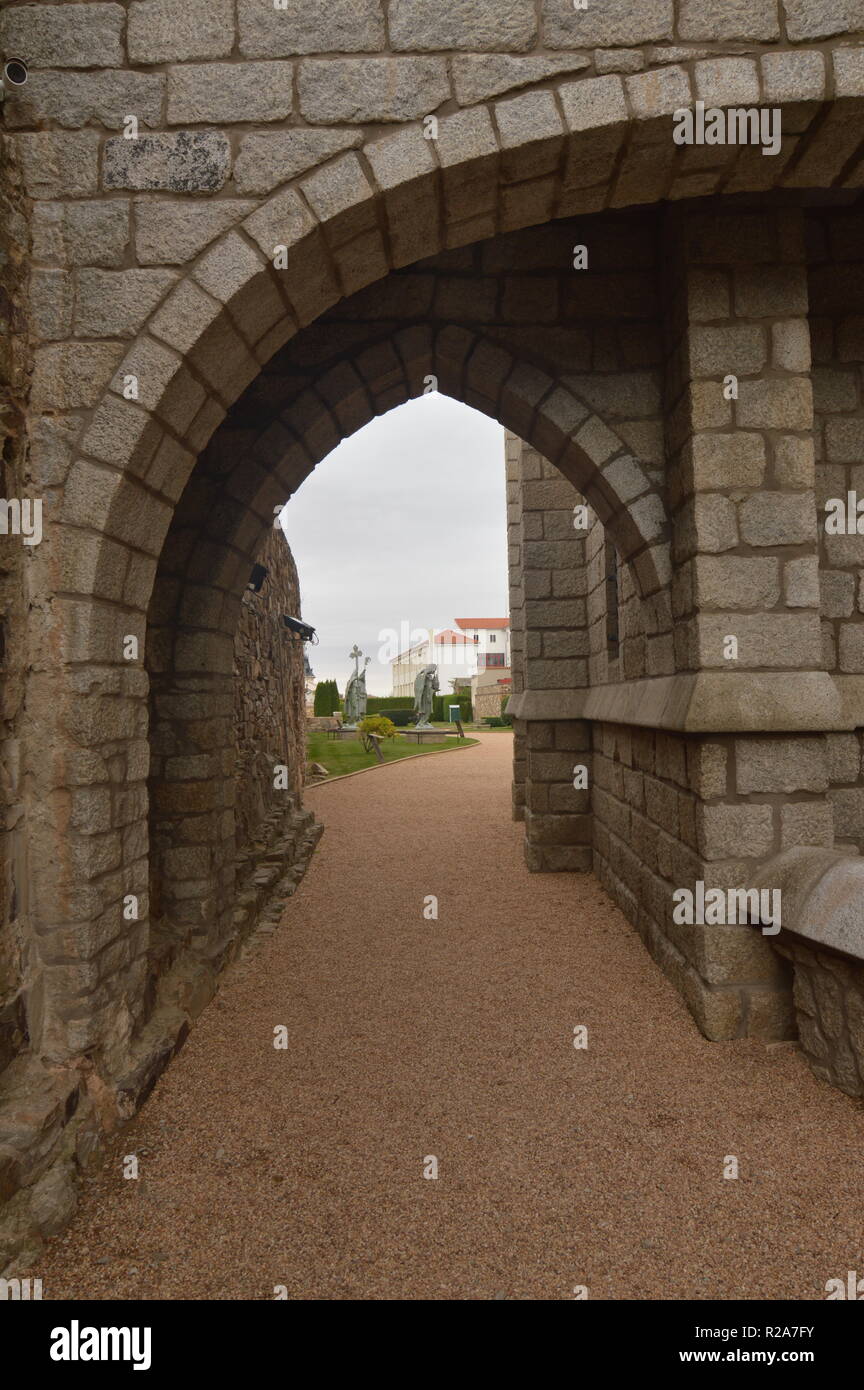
{"type": "Point", "coordinates": [441, 707]}
{"type": "Point", "coordinates": [400, 717]}
{"type": "Point", "coordinates": [398, 704]}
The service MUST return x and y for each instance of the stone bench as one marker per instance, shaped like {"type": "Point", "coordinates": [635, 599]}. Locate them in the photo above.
{"type": "Point", "coordinates": [822, 935]}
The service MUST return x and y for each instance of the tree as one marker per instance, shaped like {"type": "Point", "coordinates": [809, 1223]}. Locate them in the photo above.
{"type": "Point", "coordinates": [326, 698]}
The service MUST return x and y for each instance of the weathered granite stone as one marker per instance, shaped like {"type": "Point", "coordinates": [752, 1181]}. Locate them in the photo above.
{"type": "Point", "coordinates": [219, 93]}
{"type": "Point", "coordinates": [475, 78]}
{"type": "Point", "coordinates": [265, 160]}
{"type": "Point", "coordinates": [65, 36]}
{"type": "Point", "coordinates": [371, 89]}
{"type": "Point", "coordinates": [340, 26]}
{"type": "Point", "coordinates": [417, 26]}
{"type": "Point", "coordinates": [170, 31]}
{"type": "Point", "coordinates": [171, 233]}
{"type": "Point", "coordinates": [74, 99]}
{"type": "Point", "coordinates": [192, 161]}
{"type": "Point", "coordinates": [612, 23]}
{"type": "Point", "coordinates": [87, 233]}
{"type": "Point", "coordinates": [114, 303]}
{"type": "Point", "coordinates": [59, 165]}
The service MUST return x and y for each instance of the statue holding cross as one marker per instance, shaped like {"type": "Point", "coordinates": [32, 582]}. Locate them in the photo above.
{"type": "Point", "coordinates": [355, 690]}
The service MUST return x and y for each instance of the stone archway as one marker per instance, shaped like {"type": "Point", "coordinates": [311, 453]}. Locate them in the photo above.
{"type": "Point", "coordinates": [130, 389]}
{"type": "Point", "coordinates": [229, 503]}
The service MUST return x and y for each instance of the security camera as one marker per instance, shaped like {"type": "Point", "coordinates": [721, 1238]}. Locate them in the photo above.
{"type": "Point", "coordinates": [303, 630]}
{"type": "Point", "coordinates": [14, 76]}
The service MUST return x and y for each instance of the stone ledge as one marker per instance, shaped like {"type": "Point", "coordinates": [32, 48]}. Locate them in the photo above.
{"type": "Point", "coordinates": [707, 702]}
{"type": "Point", "coordinates": [823, 890]}
{"type": "Point", "coordinates": [822, 935]}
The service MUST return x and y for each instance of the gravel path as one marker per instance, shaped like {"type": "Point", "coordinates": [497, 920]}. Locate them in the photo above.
{"type": "Point", "coordinates": [411, 1037]}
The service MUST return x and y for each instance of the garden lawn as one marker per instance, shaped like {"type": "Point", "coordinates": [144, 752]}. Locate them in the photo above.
{"type": "Point", "coordinates": [348, 755]}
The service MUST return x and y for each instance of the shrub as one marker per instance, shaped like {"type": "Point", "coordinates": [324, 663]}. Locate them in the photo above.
{"type": "Point", "coordinates": [375, 724]}
{"type": "Point", "coordinates": [400, 717]}
{"type": "Point", "coordinates": [441, 707]}
{"type": "Point", "coordinates": [326, 698]}
{"type": "Point", "coordinates": [382, 704]}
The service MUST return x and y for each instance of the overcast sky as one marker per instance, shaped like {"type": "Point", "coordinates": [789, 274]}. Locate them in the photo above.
{"type": "Point", "coordinates": [402, 527]}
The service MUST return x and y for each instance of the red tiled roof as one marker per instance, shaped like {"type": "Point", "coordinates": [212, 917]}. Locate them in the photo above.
{"type": "Point", "coordinates": [449, 638]}
{"type": "Point", "coordinates": [482, 622]}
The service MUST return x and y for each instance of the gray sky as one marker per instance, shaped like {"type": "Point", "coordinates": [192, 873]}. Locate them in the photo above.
{"type": "Point", "coordinates": [402, 527]}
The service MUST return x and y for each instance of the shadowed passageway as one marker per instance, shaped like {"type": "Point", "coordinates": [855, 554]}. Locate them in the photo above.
{"type": "Point", "coordinates": [409, 1038]}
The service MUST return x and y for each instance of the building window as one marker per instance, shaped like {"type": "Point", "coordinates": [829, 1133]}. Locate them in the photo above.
{"type": "Point", "coordinates": [612, 643]}
{"type": "Point", "coordinates": [492, 637]}
{"type": "Point", "coordinates": [490, 659]}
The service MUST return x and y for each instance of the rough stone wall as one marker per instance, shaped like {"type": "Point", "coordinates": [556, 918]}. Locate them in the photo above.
{"type": "Point", "coordinates": [828, 992]}
{"type": "Point", "coordinates": [741, 466]}
{"type": "Point", "coordinates": [845, 796]}
{"type": "Point", "coordinates": [672, 810]}
{"type": "Point", "coordinates": [835, 240]}
{"type": "Point", "coordinates": [513, 449]}
{"type": "Point", "coordinates": [177, 230]}
{"type": "Point", "coordinates": [15, 483]}
{"type": "Point", "coordinates": [558, 828]}
{"type": "Point", "coordinates": [154, 267]}
{"type": "Point", "coordinates": [269, 700]}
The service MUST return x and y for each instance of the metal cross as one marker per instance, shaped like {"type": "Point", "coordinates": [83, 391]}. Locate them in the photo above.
{"type": "Point", "coordinates": [355, 656]}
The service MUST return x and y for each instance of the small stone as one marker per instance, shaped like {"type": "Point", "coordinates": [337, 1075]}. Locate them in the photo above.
{"type": "Point", "coordinates": [114, 303]}
{"type": "Point", "coordinates": [170, 31]}
{"type": "Point", "coordinates": [371, 89]}
{"type": "Point", "coordinates": [192, 161]}
{"type": "Point", "coordinates": [731, 19]}
{"type": "Point", "coordinates": [73, 99]}
{"type": "Point", "coordinates": [219, 92]}
{"type": "Point", "coordinates": [65, 36]}
{"type": "Point", "coordinates": [172, 233]}
{"type": "Point", "coordinates": [89, 233]}
{"type": "Point", "coordinates": [416, 25]}
{"type": "Point", "coordinates": [273, 157]}
{"type": "Point", "coordinates": [614, 23]}
{"type": "Point", "coordinates": [618, 60]}
{"type": "Point", "coordinates": [478, 78]}
{"type": "Point", "coordinates": [337, 26]}
{"type": "Point", "coordinates": [56, 165]}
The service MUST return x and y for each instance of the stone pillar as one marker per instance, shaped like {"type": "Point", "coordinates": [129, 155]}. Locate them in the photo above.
{"type": "Point", "coordinates": [745, 598]}
{"type": "Point", "coordinates": [515, 542]}
{"type": "Point", "coordinates": [548, 587]}
{"type": "Point", "coordinates": [740, 444]}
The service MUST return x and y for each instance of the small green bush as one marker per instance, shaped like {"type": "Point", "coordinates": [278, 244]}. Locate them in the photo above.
{"type": "Point", "coordinates": [375, 724]}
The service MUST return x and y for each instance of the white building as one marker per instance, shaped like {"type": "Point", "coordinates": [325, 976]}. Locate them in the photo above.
{"type": "Point", "coordinates": [481, 644]}
{"type": "Point", "coordinates": [452, 652]}
{"type": "Point", "coordinates": [490, 638]}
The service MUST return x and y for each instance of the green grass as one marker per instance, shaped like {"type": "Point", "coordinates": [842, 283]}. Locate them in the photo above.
{"type": "Point", "coordinates": [348, 755]}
